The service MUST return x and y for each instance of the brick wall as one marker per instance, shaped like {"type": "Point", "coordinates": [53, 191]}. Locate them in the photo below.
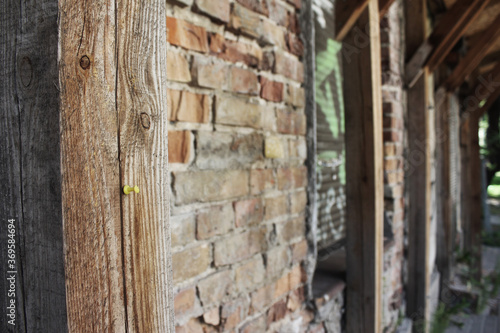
{"type": "Point", "coordinates": [394, 143]}
{"type": "Point", "coordinates": [237, 151]}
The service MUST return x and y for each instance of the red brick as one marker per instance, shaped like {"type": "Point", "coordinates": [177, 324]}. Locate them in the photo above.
{"type": "Point", "coordinates": [261, 180]}
{"type": "Point", "coordinates": [296, 3]}
{"type": "Point", "coordinates": [298, 202]}
{"type": "Point", "coordinates": [287, 65]}
{"type": "Point", "coordinates": [278, 13]}
{"type": "Point", "coordinates": [295, 96]}
{"type": "Point", "coordinates": [215, 287]}
{"type": "Point", "coordinates": [259, 6]}
{"type": "Point", "coordinates": [291, 122]}
{"type": "Point", "coordinates": [186, 35]}
{"type": "Point", "coordinates": [277, 312]}
{"type": "Point", "coordinates": [212, 317]}
{"type": "Point", "coordinates": [294, 44]}
{"type": "Point", "coordinates": [234, 51]}
{"type": "Point", "coordinates": [276, 206]}
{"type": "Point", "coordinates": [238, 247]}
{"type": "Point", "coordinates": [186, 301]}
{"type": "Point", "coordinates": [177, 67]}
{"type": "Point", "coordinates": [392, 123]}
{"type": "Point", "coordinates": [291, 229]}
{"type": "Point", "coordinates": [188, 106]}
{"type": "Point", "coordinates": [218, 10]}
{"type": "Point", "coordinates": [191, 262]}
{"type": "Point", "coordinates": [249, 275]}
{"type": "Point", "coordinates": [299, 177]}
{"type": "Point", "coordinates": [183, 229]}
{"type": "Point", "coordinates": [243, 81]}
{"type": "Point", "coordinates": [233, 313]}
{"type": "Point", "coordinates": [262, 298]}
{"type": "Point", "coordinates": [214, 221]}
{"type": "Point", "coordinates": [289, 178]}
{"type": "Point", "coordinates": [179, 146]}
{"type": "Point", "coordinates": [248, 212]}
{"type": "Point", "coordinates": [209, 74]}
{"type": "Point", "coordinates": [271, 90]}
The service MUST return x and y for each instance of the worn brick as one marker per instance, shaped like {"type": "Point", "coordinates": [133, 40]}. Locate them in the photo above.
{"type": "Point", "coordinates": [277, 259]}
{"type": "Point", "coordinates": [299, 251]}
{"type": "Point", "coordinates": [298, 202]}
{"type": "Point", "coordinates": [291, 229]}
{"type": "Point", "coordinates": [278, 13]}
{"type": "Point", "coordinates": [249, 275]}
{"type": "Point", "coordinates": [261, 180]}
{"type": "Point", "coordinates": [273, 35]}
{"type": "Point", "coordinates": [297, 148]}
{"type": "Point", "coordinates": [268, 118]}
{"type": "Point", "coordinates": [179, 146]}
{"type": "Point", "coordinates": [291, 122]}
{"type": "Point", "coordinates": [186, 35]}
{"type": "Point", "coordinates": [288, 66]}
{"type": "Point", "coordinates": [215, 287]}
{"type": "Point", "coordinates": [289, 178]}
{"type": "Point", "coordinates": [219, 150]}
{"type": "Point", "coordinates": [276, 206]}
{"type": "Point", "coordinates": [237, 111]}
{"type": "Point", "coordinates": [271, 90]}
{"type": "Point", "coordinates": [299, 176]}
{"type": "Point", "coordinates": [274, 147]}
{"type": "Point", "coordinates": [282, 286]}
{"type": "Point", "coordinates": [188, 106]}
{"type": "Point", "coordinates": [214, 221]}
{"type": "Point", "coordinates": [295, 299]}
{"type": "Point", "coordinates": [233, 313]}
{"type": "Point", "coordinates": [248, 212]}
{"type": "Point", "coordinates": [206, 186]}
{"type": "Point", "coordinates": [183, 229]}
{"type": "Point", "coordinates": [392, 136]}
{"type": "Point", "coordinates": [294, 44]}
{"type": "Point", "coordinates": [296, 3]}
{"type": "Point", "coordinates": [235, 51]}
{"type": "Point", "coordinates": [393, 122]}
{"type": "Point", "coordinates": [295, 96]}
{"type": "Point", "coordinates": [192, 326]}
{"type": "Point", "coordinates": [186, 303]}
{"type": "Point", "coordinates": [277, 312]}
{"type": "Point", "coordinates": [259, 6]}
{"type": "Point", "coordinates": [177, 67]}
{"type": "Point", "coordinates": [191, 262]}
{"type": "Point", "coordinates": [256, 325]}
{"type": "Point", "coordinates": [210, 74]}
{"type": "Point", "coordinates": [243, 81]}
{"type": "Point", "coordinates": [238, 247]}
{"type": "Point", "coordinates": [262, 298]}
{"type": "Point", "coordinates": [296, 276]}
{"type": "Point", "coordinates": [212, 317]}
{"type": "Point", "coordinates": [216, 9]}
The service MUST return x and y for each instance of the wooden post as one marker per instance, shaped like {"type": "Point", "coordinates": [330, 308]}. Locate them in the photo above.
{"type": "Point", "coordinates": [364, 154]}
{"type": "Point", "coordinates": [113, 133]}
{"type": "Point", "coordinates": [418, 172]}
{"type": "Point", "coordinates": [30, 170]}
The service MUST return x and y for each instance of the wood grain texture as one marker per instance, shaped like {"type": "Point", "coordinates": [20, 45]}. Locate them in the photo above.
{"type": "Point", "coordinates": [142, 109]}
{"type": "Point", "coordinates": [90, 167]}
{"type": "Point", "coordinates": [30, 98]}
{"type": "Point", "coordinates": [418, 173]}
{"type": "Point", "coordinates": [364, 165]}
{"type": "Point", "coordinates": [346, 16]}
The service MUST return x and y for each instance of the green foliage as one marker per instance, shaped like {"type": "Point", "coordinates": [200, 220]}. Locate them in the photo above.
{"type": "Point", "coordinates": [442, 317]}
{"type": "Point", "coordinates": [491, 238]}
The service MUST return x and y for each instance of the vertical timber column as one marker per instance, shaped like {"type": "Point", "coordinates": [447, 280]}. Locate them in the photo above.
{"type": "Point", "coordinates": [90, 167]}
{"type": "Point", "coordinates": [419, 169]}
{"type": "Point", "coordinates": [364, 154]}
{"type": "Point", "coordinates": [142, 110]}
{"type": "Point", "coordinates": [113, 133]}
{"type": "Point", "coordinates": [30, 170]}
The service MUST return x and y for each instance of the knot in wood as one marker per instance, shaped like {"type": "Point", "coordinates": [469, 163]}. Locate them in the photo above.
{"type": "Point", "coordinates": [84, 62]}
{"type": "Point", "coordinates": [145, 120]}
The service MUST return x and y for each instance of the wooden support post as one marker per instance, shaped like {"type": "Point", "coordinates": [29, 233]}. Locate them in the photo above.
{"type": "Point", "coordinates": [363, 105]}
{"type": "Point", "coordinates": [30, 207]}
{"type": "Point", "coordinates": [418, 172]}
{"type": "Point", "coordinates": [443, 182]}
{"type": "Point", "coordinates": [113, 133]}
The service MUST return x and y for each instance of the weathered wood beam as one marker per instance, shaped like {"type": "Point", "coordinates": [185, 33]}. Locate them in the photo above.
{"type": "Point", "coordinates": [450, 28]}
{"type": "Point", "coordinates": [474, 56]}
{"type": "Point", "coordinates": [113, 133]}
{"type": "Point", "coordinates": [346, 16]}
{"type": "Point", "coordinates": [365, 188]}
{"type": "Point", "coordinates": [30, 170]}
{"type": "Point", "coordinates": [418, 173]}
{"type": "Point", "coordinates": [482, 96]}
{"type": "Point", "coordinates": [383, 6]}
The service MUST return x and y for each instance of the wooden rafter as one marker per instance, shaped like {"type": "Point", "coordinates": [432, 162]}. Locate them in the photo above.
{"type": "Point", "coordinates": [486, 91]}
{"type": "Point", "coordinates": [450, 28]}
{"type": "Point", "coordinates": [474, 56]}
{"type": "Point", "coordinates": [383, 6]}
{"type": "Point", "coordinates": [346, 15]}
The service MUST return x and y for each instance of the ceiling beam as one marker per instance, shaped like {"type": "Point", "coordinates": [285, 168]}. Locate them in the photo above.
{"type": "Point", "coordinates": [346, 15]}
{"type": "Point", "coordinates": [474, 56]}
{"type": "Point", "coordinates": [383, 7]}
{"type": "Point", "coordinates": [450, 28]}
{"type": "Point", "coordinates": [486, 91]}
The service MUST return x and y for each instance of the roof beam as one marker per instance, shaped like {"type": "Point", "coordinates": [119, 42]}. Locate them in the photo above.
{"type": "Point", "coordinates": [383, 6]}
{"type": "Point", "coordinates": [346, 15]}
{"type": "Point", "coordinates": [487, 89]}
{"type": "Point", "coordinates": [474, 56]}
{"type": "Point", "coordinates": [450, 28]}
